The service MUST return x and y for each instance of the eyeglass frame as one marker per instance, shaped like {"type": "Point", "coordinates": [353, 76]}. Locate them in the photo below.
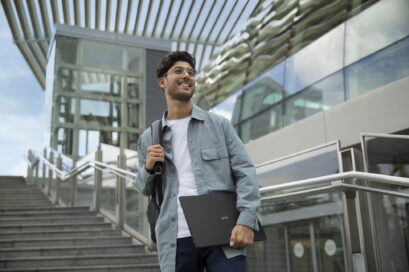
{"type": "Point", "coordinates": [191, 74]}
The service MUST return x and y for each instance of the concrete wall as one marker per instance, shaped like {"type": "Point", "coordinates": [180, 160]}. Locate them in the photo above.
{"type": "Point", "coordinates": [385, 110]}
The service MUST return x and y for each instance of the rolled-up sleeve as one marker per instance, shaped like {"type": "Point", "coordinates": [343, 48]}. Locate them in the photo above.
{"type": "Point", "coordinates": [248, 195]}
{"type": "Point", "coordinates": [144, 180]}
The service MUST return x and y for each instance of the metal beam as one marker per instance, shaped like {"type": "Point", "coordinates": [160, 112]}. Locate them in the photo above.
{"type": "Point", "coordinates": [167, 19]}
{"type": "Point", "coordinates": [176, 18]}
{"type": "Point", "coordinates": [32, 10]}
{"type": "Point", "coordinates": [201, 30]}
{"type": "Point", "coordinates": [77, 14]}
{"type": "Point", "coordinates": [45, 18]}
{"type": "Point", "coordinates": [128, 15]}
{"type": "Point", "coordinates": [108, 15]}
{"type": "Point", "coordinates": [195, 23]}
{"type": "Point", "coordinates": [138, 15]}
{"type": "Point", "coordinates": [184, 23]}
{"type": "Point", "coordinates": [157, 18]}
{"type": "Point", "coordinates": [54, 9]}
{"type": "Point", "coordinates": [118, 15]}
{"type": "Point", "coordinates": [87, 15]}
{"type": "Point", "coordinates": [97, 13]}
{"type": "Point", "coordinates": [66, 11]}
{"type": "Point", "coordinates": [148, 16]}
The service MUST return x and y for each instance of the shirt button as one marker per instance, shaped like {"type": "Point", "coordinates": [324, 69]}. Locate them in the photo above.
{"type": "Point", "coordinates": [172, 245]}
{"type": "Point", "coordinates": [173, 219]}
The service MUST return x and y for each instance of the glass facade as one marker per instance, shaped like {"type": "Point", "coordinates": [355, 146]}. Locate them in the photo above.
{"type": "Point", "coordinates": [94, 95]}
{"type": "Point", "coordinates": [361, 54]}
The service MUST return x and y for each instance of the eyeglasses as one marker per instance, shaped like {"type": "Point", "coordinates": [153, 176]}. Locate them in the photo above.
{"type": "Point", "coordinates": [179, 70]}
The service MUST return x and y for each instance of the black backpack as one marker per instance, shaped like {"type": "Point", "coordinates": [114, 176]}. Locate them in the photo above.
{"type": "Point", "coordinates": [156, 198]}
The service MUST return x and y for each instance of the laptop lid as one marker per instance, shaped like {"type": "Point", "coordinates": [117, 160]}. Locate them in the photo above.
{"type": "Point", "coordinates": [211, 218]}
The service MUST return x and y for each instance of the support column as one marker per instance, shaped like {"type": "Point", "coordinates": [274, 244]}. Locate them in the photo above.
{"type": "Point", "coordinates": [73, 187]}
{"type": "Point", "coordinates": [58, 181]}
{"type": "Point", "coordinates": [50, 173]}
{"type": "Point", "coordinates": [120, 193]}
{"type": "Point", "coordinates": [97, 182]}
{"type": "Point", "coordinates": [44, 170]}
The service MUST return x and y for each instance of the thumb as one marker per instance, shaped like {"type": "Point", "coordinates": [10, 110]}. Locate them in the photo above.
{"type": "Point", "coordinates": [233, 237]}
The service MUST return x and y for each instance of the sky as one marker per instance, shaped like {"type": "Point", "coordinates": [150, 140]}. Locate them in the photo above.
{"type": "Point", "coordinates": [22, 119]}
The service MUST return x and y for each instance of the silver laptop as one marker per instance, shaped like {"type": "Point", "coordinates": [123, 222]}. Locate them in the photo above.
{"type": "Point", "coordinates": [211, 218]}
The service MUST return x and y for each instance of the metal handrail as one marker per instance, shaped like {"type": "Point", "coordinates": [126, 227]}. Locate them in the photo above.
{"type": "Point", "coordinates": [336, 185]}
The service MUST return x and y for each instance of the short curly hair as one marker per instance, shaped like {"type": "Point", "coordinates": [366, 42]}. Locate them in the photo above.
{"type": "Point", "coordinates": [169, 60]}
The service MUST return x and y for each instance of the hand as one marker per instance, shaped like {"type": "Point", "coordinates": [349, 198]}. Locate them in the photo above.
{"type": "Point", "coordinates": [241, 236]}
{"type": "Point", "coordinates": [154, 153]}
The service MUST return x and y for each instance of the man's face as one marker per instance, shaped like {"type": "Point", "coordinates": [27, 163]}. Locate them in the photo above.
{"type": "Point", "coordinates": [177, 83]}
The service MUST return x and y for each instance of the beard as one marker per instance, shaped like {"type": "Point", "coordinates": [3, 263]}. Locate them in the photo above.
{"type": "Point", "coordinates": [182, 96]}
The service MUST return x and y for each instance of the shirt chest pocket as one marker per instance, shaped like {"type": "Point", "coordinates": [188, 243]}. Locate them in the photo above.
{"type": "Point", "coordinates": [214, 153]}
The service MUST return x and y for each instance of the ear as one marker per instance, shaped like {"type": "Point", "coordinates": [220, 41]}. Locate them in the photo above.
{"type": "Point", "coordinates": [161, 82]}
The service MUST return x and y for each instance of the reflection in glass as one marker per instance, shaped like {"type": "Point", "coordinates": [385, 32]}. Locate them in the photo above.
{"type": "Point", "coordinates": [134, 60]}
{"type": "Point", "coordinates": [102, 55]}
{"type": "Point", "coordinates": [135, 214]}
{"type": "Point", "coordinates": [66, 79]}
{"type": "Point", "coordinates": [108, 192]}
{"type": "Point", "coordinates": [88, 140]}
{"type": "Point", "coordinates": [383, 67]}
{"type": "Point", "coordinates": [99, 108]}
{"type": "Point", "coordinates": [67, 50]}
{"type": "Point", "coordinates": [65, 109]}
{"type": "Point", "coordinates": [261, 124]}
{"type": "Point", "coordinates": [316, 61]}
{"type": "Point", "coordinates": [134, 115]}
{"type": "Point", "coordinates": [389, 156]}
{"type": "Point", "coordinates": [263, 92]}
{"type": "Point", "coordinates": [321, 96]}
{"type": "Point", "coordinates": [133, 87]}
{"type": "Point", "coordinates": [230, 108]}
{"type": "Point", "coordinates": [84, 191]}
{"type": "Point", "coordinates": [375, 28]}
{"type": "Point", "coordinates": [100, 82]}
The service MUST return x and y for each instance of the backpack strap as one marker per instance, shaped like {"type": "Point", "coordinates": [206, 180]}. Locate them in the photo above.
{"type": "Point", "coordinates": [156, 131]}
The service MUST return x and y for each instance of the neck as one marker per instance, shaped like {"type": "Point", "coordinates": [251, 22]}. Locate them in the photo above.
{"type": "Point", "coordinates": [179, 110]}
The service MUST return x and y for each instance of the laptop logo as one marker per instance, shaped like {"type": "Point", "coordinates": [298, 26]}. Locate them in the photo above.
{"type": "Point", "coordinates": [224, 218]}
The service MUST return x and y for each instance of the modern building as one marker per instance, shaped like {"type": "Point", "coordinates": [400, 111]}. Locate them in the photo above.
{"type": "Point", "coordinates": [300, 81]}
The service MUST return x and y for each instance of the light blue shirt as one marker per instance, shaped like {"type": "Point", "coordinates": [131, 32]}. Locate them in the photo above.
{"type": "Point", "coordinates": [219, 162]}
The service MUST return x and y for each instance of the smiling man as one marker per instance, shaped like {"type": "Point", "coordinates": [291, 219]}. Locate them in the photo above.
{"type": "Point", "coordinates": [201, 153]}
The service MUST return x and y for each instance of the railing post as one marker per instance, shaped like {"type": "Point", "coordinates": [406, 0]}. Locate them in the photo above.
{"type": "Point", "coordinates": [57, 182]}
{"type": "Point", "coordinates": [73, 187]}
{"type": "Point", "coordinates": [120, 193]}
{"type": "Point", "coordinates": [44, 170]}
{"type": "Point", "coordinates": [29, 179]}
{"type": "Point", "coordinates": [50, 173]}
{"type": "Point", "coordinates": [97, 182]}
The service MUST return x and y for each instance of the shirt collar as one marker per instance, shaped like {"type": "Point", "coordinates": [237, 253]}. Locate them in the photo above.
{"type": "Point", "coordinates": [197, 113]}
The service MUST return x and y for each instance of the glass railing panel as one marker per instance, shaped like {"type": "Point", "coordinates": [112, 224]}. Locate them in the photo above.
{"type": "Point", "coordinates": [375, 28]}
{"type": "Point", "coordinates": [305, 234]}
{"type": "Point", "coordinates": [388, 65]}
{"type": "Point", "coordinates": [108, 192]}
{"type": "Point", "coordinates": [388, 154]}
{"type": "Point", "coordinates": [135, 212]}
{"type": "Point", "coordinates": [318, 161]}
{"type": "Point", "coordinates": [316, 98]}
{"type": "Point", "coordinates": [85, 189]}
{"type": "Point", "coordinates": [65, 193]}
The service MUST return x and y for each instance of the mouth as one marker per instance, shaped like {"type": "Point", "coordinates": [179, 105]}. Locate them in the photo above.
{"type": "Point", "coordinates": [185, 84]}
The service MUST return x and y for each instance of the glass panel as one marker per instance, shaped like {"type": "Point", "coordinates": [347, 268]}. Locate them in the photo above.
{"type": "Point", "coordinates": [316, 162]}
{"type": "Point", "coordinates": [316, 61]}
{"type": "Point", "coordinates": [133, 141]}
{"type": "Point", "coordinates": [389, 156]}
{"type": "Point", "coordinates": [88, 140]}
{"type": "Point", "coordinates": [135, 214]}
{"type": "Point", "coordinates": [133, 87]}
{"type": "Point", "coordinates": [108, 192]}
{"type": "Point", "coordinates": [263, 92]}
{"type": "Point", "coordinates": [106, 113]}
{"type": "Point", "coordinates": [300, 247]}
{"type": "Point", "coordinates": [321, 96]}
{"type": "Point", "coordinates": [67, 50]}
{"type": "Point", "coordinates": [100, 82]}
{"type": "Point", "coordinates": [375, 28]}
{"type": "Point", "coordinates": [110, 137]}
{"type": "Point", "coordinates": [134, 60]}
{"type": "Point", "coordinates": [230, 108]}
{"type": "Point", "coordinates": [134, 115]}
{"type": "Point", "coordinates": [85, 189]}
{"type": "Point", "coordinates": [383, 67]}
{"type": "Point", "coordinates": [66, 80]}
{"type": "Point", "coordinates": [65, 109]}
{"type": "Point", "coordinates": [261, 124]}
{"type": "Point", "coordinates": [102, 55]}
{"type": "Point", "coordinates": [65, 194]}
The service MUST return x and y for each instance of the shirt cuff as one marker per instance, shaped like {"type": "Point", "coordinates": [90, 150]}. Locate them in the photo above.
{"type": "Point", "coordinates": [249, 219]}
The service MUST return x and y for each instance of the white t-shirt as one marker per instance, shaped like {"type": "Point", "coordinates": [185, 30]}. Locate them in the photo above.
{"type": "Point", "coordinates": [183, 163]}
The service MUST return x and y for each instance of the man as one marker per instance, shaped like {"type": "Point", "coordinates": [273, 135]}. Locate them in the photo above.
{"type": "Point", "coordinates": [201, 153]}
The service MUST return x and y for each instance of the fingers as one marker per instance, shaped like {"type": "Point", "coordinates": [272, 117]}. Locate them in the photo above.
{"type": "Point", "coordinates": [154, 153]}
{"type": "Point", "coordinates": [241, 236]}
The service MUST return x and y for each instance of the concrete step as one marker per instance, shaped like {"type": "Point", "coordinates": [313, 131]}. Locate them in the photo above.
{"type": "Point", "coordinates": [63, 241]}
{"type": "Point", "coordinates": [58, 226]}
{"type": "Point", "coordinates": [43, 209]}
{"type": "Point", "coordinates": [49, 220]}
{"type": "Point", "coordinates": [38, 262]}
{"type": "Point", "coordinates": [47, 213]}
{"type": "Point", "coordinates": [60, 233]}
{"type": "Point", "coordinates": [71, 251]}
{"type": "Point", "coordinates": [25, 205]}
{"type": "Point", "coordinates": [93, 268]}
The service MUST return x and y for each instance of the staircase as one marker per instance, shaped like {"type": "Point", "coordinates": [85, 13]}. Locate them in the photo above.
{"type": "Point", "coordinates": [37, 236]}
